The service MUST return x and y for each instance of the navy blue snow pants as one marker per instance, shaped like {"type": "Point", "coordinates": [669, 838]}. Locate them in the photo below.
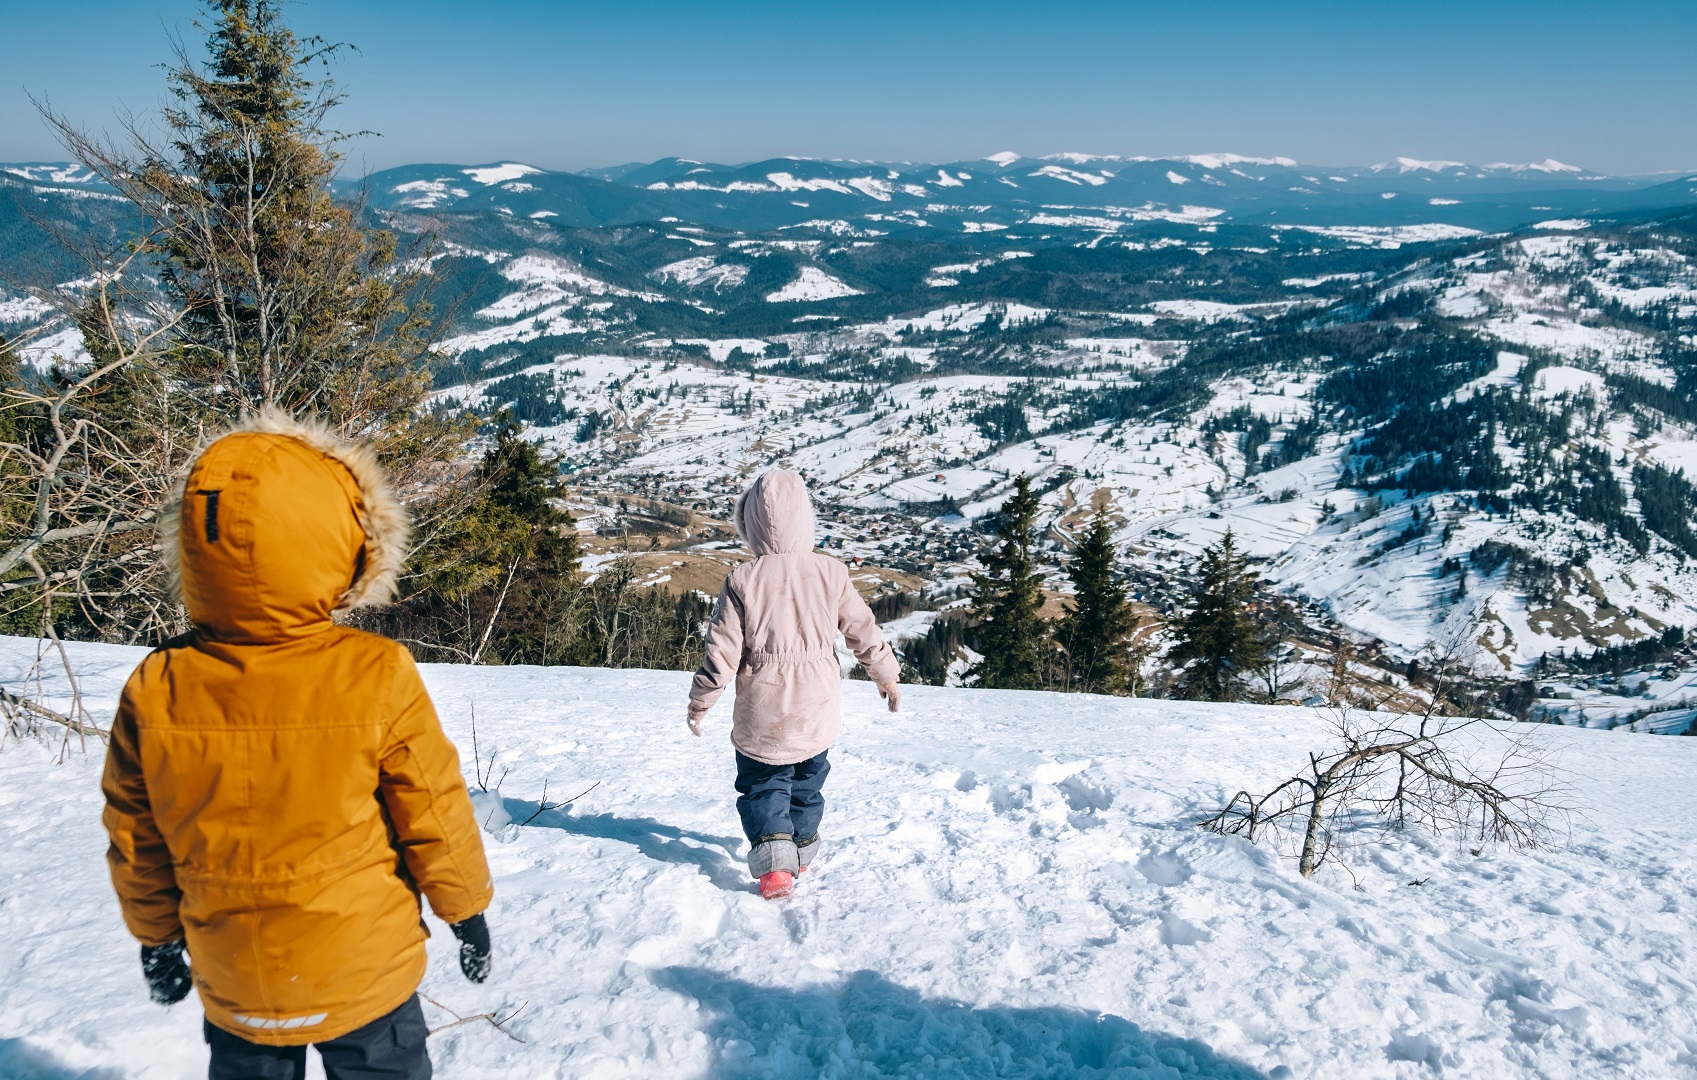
{"type": "Point", "coordinates": [781, 800]}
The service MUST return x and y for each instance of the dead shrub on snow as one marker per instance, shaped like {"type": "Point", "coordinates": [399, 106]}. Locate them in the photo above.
{"type": "Point", "coordinates": [1459, 777]}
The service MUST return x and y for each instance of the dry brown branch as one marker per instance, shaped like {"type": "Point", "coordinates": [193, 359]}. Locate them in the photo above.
{"type": "Point", "coordinates": [1456, 777]}
{"type": "Point", "coordinates": [495, 614]}
{"type": "Point", "coordinates": [10, 701]}
{"type": "Point", "coordinates": [496, 1020]}
{"type": "Point", "coordinates": [89, 485]}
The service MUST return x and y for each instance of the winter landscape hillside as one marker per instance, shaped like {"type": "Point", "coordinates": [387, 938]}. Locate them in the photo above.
{"type": "Point", "coordinates": [1428, 398]}
{"type": "Point", "coordinates": [1287, 558]}
{"type": "Point", "coordinates": [1013, 886]}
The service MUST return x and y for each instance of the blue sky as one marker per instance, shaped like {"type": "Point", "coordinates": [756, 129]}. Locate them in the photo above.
{"type": "Point", "coordinates": [573, 84]}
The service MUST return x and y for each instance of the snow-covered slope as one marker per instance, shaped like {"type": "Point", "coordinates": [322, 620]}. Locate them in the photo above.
{"type": "Point", "coordinates": [1012, 886]}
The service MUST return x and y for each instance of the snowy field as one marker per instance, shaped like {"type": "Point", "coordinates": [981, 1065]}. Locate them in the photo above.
{"type": "Point", "coordinates": [1012, 885]}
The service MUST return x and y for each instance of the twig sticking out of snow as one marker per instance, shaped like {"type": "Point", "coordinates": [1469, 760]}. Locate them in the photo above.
{"type": "Point", "coordinates": [544, 806]}
{"type": "Point", "coordinates": [10, 702]}
{"type": "Point", "coordinates": [22, 712]}
{"type": "Point", "coordinates": [496, 1020]}
{"type": "Point", "coordinates": [497, 819]}
{"type": "Point", "coordinates": [483, 775]}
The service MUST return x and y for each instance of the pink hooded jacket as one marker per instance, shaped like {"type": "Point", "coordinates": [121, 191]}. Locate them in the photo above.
{"type": "Point", "coordinates": [775, 630]}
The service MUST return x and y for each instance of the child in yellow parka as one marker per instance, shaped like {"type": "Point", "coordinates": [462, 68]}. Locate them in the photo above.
{"type": "Point", "coordinates": [279, 791]}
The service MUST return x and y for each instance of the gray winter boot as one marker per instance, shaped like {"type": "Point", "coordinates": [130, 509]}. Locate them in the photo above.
{"type": "Point", "coordinates": [773, 853]}
{"type": "Point", "coordinates": [804, 852]}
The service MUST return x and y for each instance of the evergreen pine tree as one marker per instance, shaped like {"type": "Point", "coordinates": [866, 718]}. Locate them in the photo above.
{"type": "Point", "coordinates": [541, 624]}
{"type": "Point", "coordinates": [1011, 635]}
{"type": "Point", "coordinates": [251, 285]}
{"type": "Point", "coordinates": [1217, 642]}
{"type": "Point", "coordinates": [499, 579]}
{"type": "Point", "coordinates": [1096, 633]}
{"type": "Point", "coordinates": [278, 293]}
{"type": "Point", "coordinates": [288, 298]}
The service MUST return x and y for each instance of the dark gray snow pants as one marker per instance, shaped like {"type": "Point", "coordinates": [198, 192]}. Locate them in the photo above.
{"type": "Point", "coordinates": [389, 1048]}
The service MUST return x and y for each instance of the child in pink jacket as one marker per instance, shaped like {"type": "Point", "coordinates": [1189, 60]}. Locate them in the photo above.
{"type": "Point", "coordinates": [775, 630]}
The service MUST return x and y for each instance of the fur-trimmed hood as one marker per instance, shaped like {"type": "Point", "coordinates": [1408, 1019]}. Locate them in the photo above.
{"type": "Point", "coordinates": [280, 524]}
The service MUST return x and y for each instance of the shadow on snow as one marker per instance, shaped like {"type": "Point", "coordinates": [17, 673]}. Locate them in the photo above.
{"type": "Point", "coordinates": [21, 1061]}
{"type": "Point", "coordinates": [867, 1026]}
{"type": "Point", "coordinates": [711, 855]}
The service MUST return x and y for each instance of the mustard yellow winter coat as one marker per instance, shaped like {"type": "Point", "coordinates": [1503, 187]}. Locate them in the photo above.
{"type": "Point", "coordinates": [278, 789]}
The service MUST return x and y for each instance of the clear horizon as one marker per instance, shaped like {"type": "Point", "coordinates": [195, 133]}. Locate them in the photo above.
{"type": "Point", "coordinates": [591, 85]}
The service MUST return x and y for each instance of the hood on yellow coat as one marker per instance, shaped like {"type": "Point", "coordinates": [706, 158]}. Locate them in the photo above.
{"type": "Point", "coordinates": [279, 525]}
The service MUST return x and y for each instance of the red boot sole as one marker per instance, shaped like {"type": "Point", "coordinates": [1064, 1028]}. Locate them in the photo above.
{"type": "Point", "coordinates": [776, 885]}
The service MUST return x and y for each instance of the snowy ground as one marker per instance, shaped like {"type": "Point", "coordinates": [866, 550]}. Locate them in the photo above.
{"type": "Point", "coordinates": [1012, 885]}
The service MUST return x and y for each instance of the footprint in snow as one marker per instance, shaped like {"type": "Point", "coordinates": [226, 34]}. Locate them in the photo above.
{"type": "Point", "coordinates": [1164, 868]}
{"type": "Point", "coordinates": [1177, 931]}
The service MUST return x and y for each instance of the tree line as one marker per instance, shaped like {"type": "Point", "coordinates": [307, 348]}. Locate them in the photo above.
{"type": "Point", "coordinates": [1218, 642]}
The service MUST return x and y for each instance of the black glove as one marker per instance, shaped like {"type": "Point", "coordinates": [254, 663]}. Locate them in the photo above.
{"type": "Point", "coordinates": [473, 934]}
{"type": "Point", "coordinates": [166, 971]}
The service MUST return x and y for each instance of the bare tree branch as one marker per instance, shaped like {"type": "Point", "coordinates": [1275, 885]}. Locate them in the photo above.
{"type": "Point", "coordinates": [1449, 776]}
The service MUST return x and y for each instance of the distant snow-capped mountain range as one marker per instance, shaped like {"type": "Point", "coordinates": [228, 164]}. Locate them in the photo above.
{"type": "Point", "coordinates": [1425, 395]}
{"type": "Point", "coordinates": [1232, 187]}
{"type": "Point", "coordinates": [1002, 190]}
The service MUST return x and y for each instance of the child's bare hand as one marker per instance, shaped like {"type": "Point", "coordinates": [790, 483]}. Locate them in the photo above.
{"type": "Point", "coordinates": [892, 694]}
{"type": "Point", "coordinates": [694, 722]}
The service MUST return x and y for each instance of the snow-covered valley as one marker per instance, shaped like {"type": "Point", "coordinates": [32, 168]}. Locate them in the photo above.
{"type": "Point", "coordinates": [1280, 421]}
{"type": "Point", "coordinates": [1014, 886]}
{"type": "Point", "coordinates": [1420, 430]}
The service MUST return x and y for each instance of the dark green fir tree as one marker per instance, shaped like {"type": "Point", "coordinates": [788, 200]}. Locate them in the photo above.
{"type": "Point", "coordinates": [499, 579]}
{"type": "Point", "coordinates": [1096, 633]}
{"type": "Point", "coordinates": [1218, 642]}
{"type": "Point", "coordinates": [1011, 634]}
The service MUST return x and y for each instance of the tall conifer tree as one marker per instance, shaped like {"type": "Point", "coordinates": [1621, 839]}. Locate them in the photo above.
{"type": "Point", "coordinates": [1097, 632]}
{"type": "Point", "coordinates": [1218, 642]}
{"type": "Point", "coordinates": [1012, 636]}
{"type": "Point", "coordinates": [277, 292]}
{"type": "Point", "coordinates": [291, 300]}
{"type": "Point", "coordinates": [251, 285]}
{"type": "Point", "coordinates": [499, 580]}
